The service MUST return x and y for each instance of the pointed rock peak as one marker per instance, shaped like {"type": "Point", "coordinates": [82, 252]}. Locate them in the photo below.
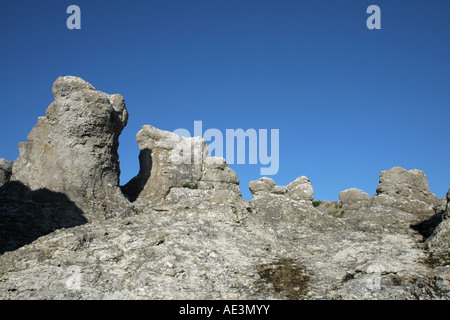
{"type": "Point", "coordinates": [73, 149]}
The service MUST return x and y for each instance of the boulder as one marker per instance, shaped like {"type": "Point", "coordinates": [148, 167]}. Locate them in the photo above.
{"type": "Point", "coordinates": [299, 189]}
{"type": "Point", "coordinates": [73, 149]}
{"type": "Point", "coordinates": [353, 199]}
{"type": "Point", "coordinates": [438, 243]}
{"type": "Point", "coordinates": [217, 175]}
{"type": "Point", "coordinates": [263, 184]}
{"type": "Point", "coordinates": [405, 190]}
{"type": "Point", "coordinates": [353, 195]}
{"type": "Point", "coordinates": [5, 171]}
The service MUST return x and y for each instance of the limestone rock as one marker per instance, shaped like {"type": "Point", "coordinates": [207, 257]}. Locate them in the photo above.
{"type": "Point", "coordinates": [353, 195]}
{"type": "Point", "coordinates": [435, 285]}
{"type": "Point", "coordinates": [5, 171]}
{"type": "Point", "coordinates": [299, 189]}
{"type": "Point", "coordinates": [195, 237]}
{"type": "Point", "coordinates": [73, 149]}
{"type": "Point", "coordinates": [354, 199]}
{"type": "Point", "coordinates": [263, 184]}
{"type": "Point", "coordinates": [406, 190]}
{"type": "Point", "coordinates": [218, 175]}
{"type": "Point", "coordinates": [168, 161]}
{"type": "Point", "coordinates": [438, 243]}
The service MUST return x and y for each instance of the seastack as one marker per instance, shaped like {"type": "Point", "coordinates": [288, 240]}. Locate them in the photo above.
{"type": "Point", "coordinates": [73, 149]}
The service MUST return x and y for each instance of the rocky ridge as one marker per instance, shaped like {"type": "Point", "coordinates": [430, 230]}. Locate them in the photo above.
{"type": "Point", "coordinates": [181, 230]}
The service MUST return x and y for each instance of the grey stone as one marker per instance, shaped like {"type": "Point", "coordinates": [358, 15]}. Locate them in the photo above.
{"type": "Point", "coordinates": [435, 285]}
{"type": "Point", "coordinates": [406, 190]}
{"type": "Point", "coordinates": [195, 237]}
{"type": "Point", "coordinates": [354, 199]}
{"type": "Point", "coordinates": [438, 243]}
{"type": "Point", "coordinates": [299, 189]}
{"type": "Point", "coordinates": [73, 149]}
{"type": "Point", "coordinates": [353, 195]}
{"type": "Point", "coordinates": [172, 161]}
{"type": "Point", "coordinates": [264, 184]}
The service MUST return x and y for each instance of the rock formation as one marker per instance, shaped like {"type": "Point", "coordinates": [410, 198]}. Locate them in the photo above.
{"type": "Point", "coordinates": [73, 149]}
{"type": "Point", "coordinates": [299, 189]}
{"type": "Point", "coordinates": [353, 195]}
{"type": "Point", "coordinates": [354, 199]}
{"type": "Point", "coordinates": [183, 230]}
{"type": "Point", "coordinates": [406, 190]}
{"type": "Point", "coordinates": [168, 161]}
{"type": "Point", "coordinates": [5, 171]}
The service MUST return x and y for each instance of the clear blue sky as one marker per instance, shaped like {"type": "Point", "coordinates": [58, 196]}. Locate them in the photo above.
{"type": "Point", "coordinates": [349, 102]}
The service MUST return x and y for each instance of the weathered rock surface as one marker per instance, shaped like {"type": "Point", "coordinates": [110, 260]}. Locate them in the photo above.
{"type": "Point", "coordinates": [438, 243]}
{"type": "Point", "coordinates": [168, 161]}
{"type": "Point", "coordinates": [434, 285]}
{"type": "Point", "coordinates": [73, 149]}
{"type": "Point", "coordinates": [5, 171]}
{"type": "Point", "coordinates": [199, 247]}
{"type": "Point", "coordinates": [353, 195]}
{"type": "Point", "coordinates": [299, 189]}
{"type": "Point", "coordinates": [26, 215]}
{"type": "Point", "coordinates": [354, 199]}
{"type": "Point", "coordinates": [195, 237]}
{"type": "Point", "coordinates": [406, 190]}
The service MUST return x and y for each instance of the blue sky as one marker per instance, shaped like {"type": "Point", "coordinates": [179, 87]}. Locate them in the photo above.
{"type": "Point", "coordinates": [349, 102]}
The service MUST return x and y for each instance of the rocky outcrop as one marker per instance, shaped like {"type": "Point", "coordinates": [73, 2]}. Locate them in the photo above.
{"type": "Point", "coordinates": [353, 195]}
{"type": "Point", "coordinates": [299, 189]}
{"type": "Point", "coordinates": [5, 171]}
{"type": "Point", "coordinates": [406, 190]}
{"type": "Point", "coordinates": [73, 149]}
{"type": "Point", "coordinates": [435, 285]}
{"type": "Point", "coordinates": [168, 161]}
{"type": "Point", "coordinates": [195, 237]}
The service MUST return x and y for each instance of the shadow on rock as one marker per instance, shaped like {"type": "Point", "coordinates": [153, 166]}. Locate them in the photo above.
{"type": "Point", "coordinates": [135, 186]}
{"type": "Point", "coordinates": [427, 227]}
{"type": "Point", "coordinates": [26, 215]}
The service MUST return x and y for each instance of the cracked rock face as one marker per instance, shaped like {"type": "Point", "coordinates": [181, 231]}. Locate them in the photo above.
{"type": "Point", "coordinates": [73, 149]}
